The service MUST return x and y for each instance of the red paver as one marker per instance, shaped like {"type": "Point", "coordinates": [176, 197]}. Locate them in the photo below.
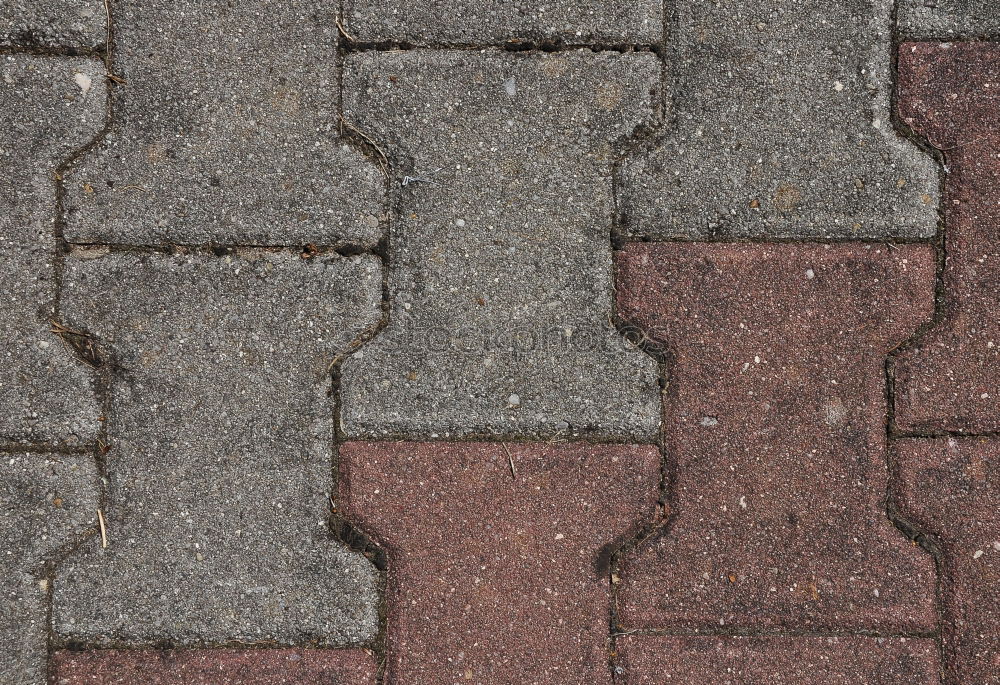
{"type": "Point", "coordinates": [775, 422]}
{"type": "Point", "coordinates": [950, 380]}
{"type": "Point", "coordinates": [950, 489]}
{"type": "Point", "coordinates": [215, 667]}
{"type": "Point", "coordinates": [496, 578]}
{"type": "Point", "coordinates": [779, 661]}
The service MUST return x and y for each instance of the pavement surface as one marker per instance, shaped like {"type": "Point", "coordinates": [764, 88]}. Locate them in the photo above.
{"type": "Point", "coordinates": [389, 342]}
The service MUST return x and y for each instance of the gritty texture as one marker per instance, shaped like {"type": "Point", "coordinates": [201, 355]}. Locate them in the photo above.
{"type": "Point", "coordinates": [775, 424]}
{"type": "Point", "coordinates": [215, 667]}
{"type": "Point", "coordinates": [651, 660]}
{"type": "Point", "coordinates": [226, 132]}
{"type": "Point", "coordinates": [74, 24]}
{"type": "Point", "coordinates": [478, 22]}
{"type": "Point", "coordinates": [949, 489]}
{"type": "Point", "coordinates": [49, 501]}
{"type": "Point", "coordinates": [949, 19]}
{"type": "Point", "coordinates": [49, 107]}
{"type": "Point", "coordinates": [500, 280]}
{"type": "Point", "coordinates": [219, 463]}
{"type": "Point", "coordinates": [949, 379]}
{"type": "Point", "coordinates": [498, 555]}
{"type": "Point", "coordinates": [780, 128]}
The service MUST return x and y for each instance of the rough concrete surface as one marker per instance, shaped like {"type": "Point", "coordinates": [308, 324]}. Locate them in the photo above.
{"type": "Point", "coordinates": [490, 541]}
{"type": "Point", "coordinates": [948, 19]}
{"type": "Point", "coordinates": [226, 131]}
{"type": "Point", "coordinates": [74, 24]}
{"type": "Point", "coordinates": [780, 127]}
{"type": "Point", "coordinates": [500, 280]}
{"type": "Point", "coordinates": [215, 667]}
{"type": "Point", "coordinates": [486, 22]}
{"type": "Point", "coordinates": [49, 107]}
{"type": "Point", "coordinates": [949, 379]}
{"type": "Point", "coordinates": [649, 660]}
{"type": "Point", "coordinates": [49, 501]}
{"type": "Point", "coordinates": [949, 489]}
{"type": "Point", "coordinates": [220, 437]}
{"type": "Point", "coordinates": [775, 427]}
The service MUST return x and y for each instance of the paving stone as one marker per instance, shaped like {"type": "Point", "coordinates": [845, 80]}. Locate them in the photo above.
{"type": "Point", "coordinates": [79, 24]}
{"type": "Point", "coordinates": [948, 19]}
{"type": "Point", "coordinates": [49, 107]}
{"type": "Point", "coordinates": [948, 379]}
{"type": "Point", "coordinates": [220, 434]}
{"type": "Point", "coordinates": [226, 132]}
{"type": "Point", "coordinates": [215, 667]}
{"type": "Point", "coordinates": [500, 280]}
{"type": "Point", "coordinates": [780, 127]}
{"type": "Point", "coordinates": [48, 500]}
{"type": "Point", "coordinates": [780, 661]}
{"type": "Point", "coordinates": [451, 22]}
{"type": "Point", "coordinates": [776, 425]}
{"type": "Point", "coordinates": [498, 555]}
{"type": "Point", "coordinates": [950, 489]}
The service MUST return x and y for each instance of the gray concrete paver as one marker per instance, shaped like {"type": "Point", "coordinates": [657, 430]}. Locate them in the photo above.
{"type": "Point", "coordinates": [500, 265]}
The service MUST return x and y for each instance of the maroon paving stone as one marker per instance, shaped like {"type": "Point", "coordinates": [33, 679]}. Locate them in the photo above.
{"type": "Point", "coordinates": [949, 380]}
{"type": "Point", "coordinates": [779, 661]}
{"type": "Point", "coordinates": [775, 422]}
{"type": "Point", "coordinates": [495, 577]}
{"type": "Point", "coordinates": [950, 489]}
{"type": "Point", "coordinates": [215, 667]}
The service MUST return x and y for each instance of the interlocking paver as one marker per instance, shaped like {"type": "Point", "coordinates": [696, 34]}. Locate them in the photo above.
{"type": "Point", "coordinates": [437, 22]}
{"type": "Point", "coordinates": [48, 500]}
{"type": "Point", "coordinates": [500, 279]}
{"type": "Point", "coordinates": [949, 379]}
{"type": "Point", "coordinates": [215, 667]}
{"type": "Point", "coordinates": [950, 488]}
{"type": "Point", "coordinates": [76, 24]}
{"type": "Point", "coordinates": [498, 555]}
{"type": "Point", "coordinates": [780, 127]}
{"type": "Point", "coordinates": [226, 132]}
{"type": "Point", "coordinates": [220, 436]}
{"type": "Point", "coordinates": [776, 426]}
{"type": "Point", "coordinates": [948, 19]}
{"type": "Point", "coordinates": [779, 661]}
{"type": "Point", "coordinates": [49, 107]}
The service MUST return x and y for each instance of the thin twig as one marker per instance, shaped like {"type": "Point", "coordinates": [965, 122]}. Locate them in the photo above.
{"type": "Point", "coordinates": [344, 32]}
{"type": "Point", "coordinates": [383, 158]}
{"type": "Point", "coordinates": [510, 460]}
{"type": "Point", "coordinates": [104, 531]}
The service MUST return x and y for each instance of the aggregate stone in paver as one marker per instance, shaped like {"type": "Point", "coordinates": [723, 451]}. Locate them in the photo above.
{"type": "Point", "coordinates": [227, 131]}
{"type": "Point", "coordinates": [649, 660]}
{"type": "Point", "coordinates": [575, 22]}
{"type": "Point", "coordinates": [949, 19]}
{"type": "Point", "coordinates": [775, 422]}
{"type": "Point", "coordinates": [220, 432]}
{"type": "Point", "coordinates": [215, 667]}
{"type": "Point", "coordinates": [500, 278]}
{"type": "Point", "coordinates": [950, 490]}
{"type": "Point", "coordinates": [498, 555]}
{"type": "Point", "coordinates": [949, 379]}
{"type": "Point", "coordinates": [780, 127]}
{"type": "Point", "coordinates": [49, 107]}
{"type": "Point", "coordinates": [76, 24]}
{"type": "Point", "coordinates": [48, 501]}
